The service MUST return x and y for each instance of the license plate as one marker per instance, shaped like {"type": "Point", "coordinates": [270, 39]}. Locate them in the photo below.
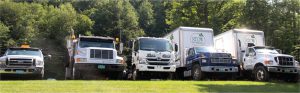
{"type": "Point", "coordinates": [101, 66]}
{"type": "Point", "coordinates": [19, 71]}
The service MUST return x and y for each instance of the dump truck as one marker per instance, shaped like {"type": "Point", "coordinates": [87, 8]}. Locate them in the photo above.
{"type": "Point", "coordinates": [93, 57]}
{"type": "Point", "coordinates": [191, 61]}
{"type": "Point", "coordinates": [23, 60]}
{"type": "Point", "coordinates": [255, 59]}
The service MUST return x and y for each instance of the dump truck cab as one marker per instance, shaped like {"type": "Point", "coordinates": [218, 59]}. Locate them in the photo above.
{"type": "Point", "coordinates": [90, 55]}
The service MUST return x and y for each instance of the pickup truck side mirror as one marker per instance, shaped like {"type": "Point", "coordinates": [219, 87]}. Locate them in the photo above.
{"type": "Point", "coordinates": [47, 57]}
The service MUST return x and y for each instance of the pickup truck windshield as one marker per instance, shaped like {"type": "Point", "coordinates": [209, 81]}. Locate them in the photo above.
{"type": "Point", "coordinates": [204, 49]}
{"type": "Point", "coordinates": [268, 51]}
{"type": "Point", "coordinates": [21, 51]}
{"type": "Point", "coordinates": [94, 42]}
{"type": "Point", "coordinates": [155, 44]}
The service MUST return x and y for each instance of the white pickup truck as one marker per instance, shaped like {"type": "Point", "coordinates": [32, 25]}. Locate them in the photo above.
{"type": "Point", "coordinates": [23, 61]}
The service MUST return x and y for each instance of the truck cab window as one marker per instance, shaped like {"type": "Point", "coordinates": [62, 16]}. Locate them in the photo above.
{"type": "Point", "coordinates": [251, 52]}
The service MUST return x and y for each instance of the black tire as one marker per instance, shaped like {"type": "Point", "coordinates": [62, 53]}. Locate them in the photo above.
{"type": "Point", "coordinates": [136, 75]}
{"type": "Point", "coordinates": [261, 74]}
{"type": "Point", "coordinates": [171, 76]}
{"type": "Point", "coordinates": [197, 74]}
{"type": "Point", "coordinates": [68, 73]}
{"type": "Point", "coordinates": [76, 74]}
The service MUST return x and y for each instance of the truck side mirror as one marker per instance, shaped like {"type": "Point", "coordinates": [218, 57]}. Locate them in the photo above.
{"type": "Point", "coordinates": [120, 48]}
{"type": "Point", "coordinates": [47, 57]}
{"type": "Point", "coordinates": [176, 47]}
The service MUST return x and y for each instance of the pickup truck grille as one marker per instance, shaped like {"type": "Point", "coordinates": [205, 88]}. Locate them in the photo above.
{"type": "Point", "coordinates": [101, 54]}
{"type": "Point", "coordinates": [286, 61]}
{"type": "Point", "coordinates": [220, 60]}
{"type": "Point", "coordinates": [20, 62]}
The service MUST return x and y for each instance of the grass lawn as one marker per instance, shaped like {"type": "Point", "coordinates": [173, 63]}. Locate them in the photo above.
{"type": "Point", "coordinates": [101, 86]}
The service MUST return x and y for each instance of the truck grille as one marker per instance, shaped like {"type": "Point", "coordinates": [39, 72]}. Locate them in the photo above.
{"type": "Point", "coordinates": [158, 61]}
{"type": "Point", "coordinates": [220, 55]}
{"type": "Point", "coordinates": [20, 62]}
{"type": "Point", "coordinates": [287, 61]}
{"type": "Point", "coordinates": [101, 54]}
{"type": "Point", "coordinates": [220, 60]}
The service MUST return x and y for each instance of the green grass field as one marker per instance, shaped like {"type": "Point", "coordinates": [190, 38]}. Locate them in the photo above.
{"type": "Point", "coordinates": [144, 86]}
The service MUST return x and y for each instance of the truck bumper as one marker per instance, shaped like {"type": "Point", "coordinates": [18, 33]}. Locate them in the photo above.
{"type": "Point", "coordinates": [294, 70]}
{"type": "Point", "coordinates": [101, 67]}
{"type": "Point", "coordinates": [156, 68]}
{"type": "Point", "coordinates": [219, 69]}
{"type": "Point", "coordinates": [31, 70]}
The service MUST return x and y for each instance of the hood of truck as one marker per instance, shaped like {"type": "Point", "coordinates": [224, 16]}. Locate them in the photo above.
{"type": "Point", "coordinates": [22, 56]}
{"type": "Point", "coordinates": [214, 55]}
{"type": "Point", "coordinates": [272, 55]}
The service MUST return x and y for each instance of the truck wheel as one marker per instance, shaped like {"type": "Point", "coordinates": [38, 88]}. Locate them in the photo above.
{"type": "Point", "coordinates": [76, 74]}
{"type": "Point", "coordinates": [197, 74]}
{"type": "Point", "coordinates": [261, 74]}
{"type": "Point", "coordinates": [136, 75]}
{"type": "Point", "coordinates": [68, 73]}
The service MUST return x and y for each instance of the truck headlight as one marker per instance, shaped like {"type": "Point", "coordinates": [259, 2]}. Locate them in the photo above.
{"type": "Point", "coordinates": [269, 62]}
{"type": "Point", "coordinates": [39, 62]}
{"type": "Point", "coordinates": [203, 60]}
{"type": "Point", "coordinates": [166, 56]}
{"type": "Point", "coordinates": [120, 61]}
{"type": "Point", "coordinates": [143, 61]}
{"type": "Point", "coordinates": [81, 60]}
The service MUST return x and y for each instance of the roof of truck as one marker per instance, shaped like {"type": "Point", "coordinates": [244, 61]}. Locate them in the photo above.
{"type": "Point", "coordinates": [190, 29]}
{"type": "Point", "coordinates": [99, 37]}
{"type": "Point", "coordinates": [23, 48]}
{"type": "Point", "coordinates": [153, 38]}
{"type": "Point", "coordinates": [246, 30]}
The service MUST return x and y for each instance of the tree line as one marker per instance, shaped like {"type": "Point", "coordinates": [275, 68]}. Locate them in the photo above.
{"type": "Point", "coordinates": [30, 20]}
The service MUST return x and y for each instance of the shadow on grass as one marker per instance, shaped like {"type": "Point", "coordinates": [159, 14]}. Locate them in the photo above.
{"type": "Point", "coordinates": [268, 87]}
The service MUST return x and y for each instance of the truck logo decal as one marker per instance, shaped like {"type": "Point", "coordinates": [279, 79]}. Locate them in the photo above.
{"type": "Point", "coordinates": [197, 38]}
{"type": "Point", "coordinates": [250, 39]}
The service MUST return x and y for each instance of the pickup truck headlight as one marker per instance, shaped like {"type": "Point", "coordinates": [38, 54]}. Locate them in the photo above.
{"type": "Point", "coordinates": [81, 60]}
{"type": "Point", "coordinates": [269, 62]}
{"type": "Point", "coordinates": [39, 62]}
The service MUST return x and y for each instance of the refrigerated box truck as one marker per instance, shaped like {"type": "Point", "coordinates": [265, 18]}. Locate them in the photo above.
{"type": "Point", "coordinates": [186, 38]}
{"type": "Point", "coordinates": [255, 59]}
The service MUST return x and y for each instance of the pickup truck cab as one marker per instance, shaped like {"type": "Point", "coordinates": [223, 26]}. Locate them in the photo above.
{"type": "Point", "coordinates": [263, 61]}
{"type": "Point", "coordinates": [202, 60]}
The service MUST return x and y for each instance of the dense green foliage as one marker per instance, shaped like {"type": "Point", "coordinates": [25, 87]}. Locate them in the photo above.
{"type": "Point", "coordinates": [29, 20]}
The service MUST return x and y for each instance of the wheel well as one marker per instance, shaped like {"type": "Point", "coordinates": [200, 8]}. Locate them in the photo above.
{"type": "Point", "coordinates": [258, 64]}
{"type": "Point", "coordinates": [195, 63]}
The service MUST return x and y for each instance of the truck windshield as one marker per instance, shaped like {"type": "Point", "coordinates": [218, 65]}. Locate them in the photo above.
{"type": "Point", "coordinates": [155, 44]}
{"type": "Point", "coordinates": [95, 42]}
{"type": "Point", "coordinates": [22, 51]}
{"type": "Point", "coordinates": [266, 50]}
{"type": "Point", "coordinates": [204, 49]}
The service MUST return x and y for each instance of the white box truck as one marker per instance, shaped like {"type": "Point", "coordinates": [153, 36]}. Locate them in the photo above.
{"type": "Point", "coordinates": [185, 40]}
{"type": "Point", "coordinates": [248, 48]}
